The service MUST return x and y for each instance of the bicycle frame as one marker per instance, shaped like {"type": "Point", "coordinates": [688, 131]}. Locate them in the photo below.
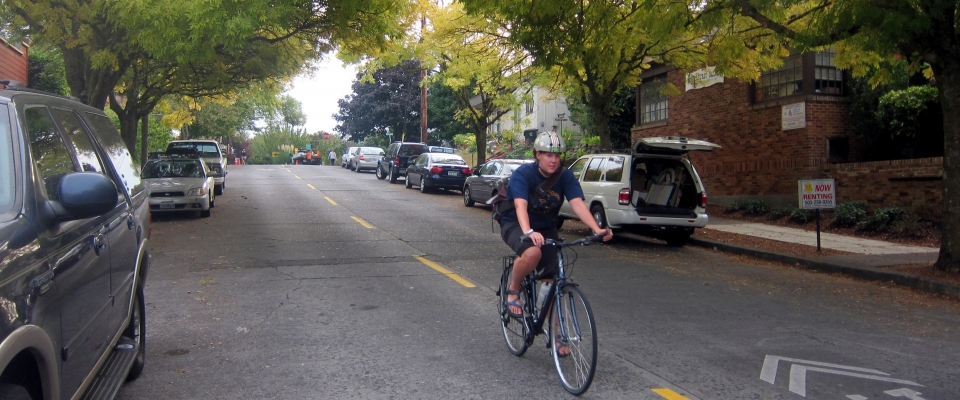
{"type": "Point", "coordinates": [528, 289]}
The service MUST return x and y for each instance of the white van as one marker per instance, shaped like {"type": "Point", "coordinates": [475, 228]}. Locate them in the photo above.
{"type": "Point", "coordinates": [651, 189]}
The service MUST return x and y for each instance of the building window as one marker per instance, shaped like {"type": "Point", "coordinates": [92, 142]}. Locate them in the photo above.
{"type": "Point", "coordinates": [813, 73]}
{"type": "Point", "coordinates": [529, 107]}
{"type": "Point", "coordinates": [653, 102]}
{"type": "Point", "coordinates": [829, 79]}
{"type": "Point", "coordinates": [781, 82]}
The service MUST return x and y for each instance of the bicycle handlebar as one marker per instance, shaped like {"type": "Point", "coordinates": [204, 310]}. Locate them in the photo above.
{"type": "Point", "coordinates": [561, 243]}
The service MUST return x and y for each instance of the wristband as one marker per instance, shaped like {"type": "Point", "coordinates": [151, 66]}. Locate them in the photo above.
{"type": "Point", "coordinates": [528, 233]}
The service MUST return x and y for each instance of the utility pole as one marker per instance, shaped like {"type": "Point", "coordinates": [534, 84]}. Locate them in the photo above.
{"type": "Point", "coordinates": [423, 87]}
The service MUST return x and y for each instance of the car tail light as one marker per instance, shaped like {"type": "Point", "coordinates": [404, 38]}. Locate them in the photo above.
{"type": "Point", "coordinates": [624, 197]}
{"type": "Point", "coordinates": [703, 199]}
{"type": "Point", "coordinates": [360, 158]}
{"type": "Point", "coordinates": [396, 160]}
{"type": "Point", "coordinates": [467, 171]}
{"type": "Point", "coordinates": [436, 170]}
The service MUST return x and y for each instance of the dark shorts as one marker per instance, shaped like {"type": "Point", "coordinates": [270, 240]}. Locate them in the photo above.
{"type": "Point", "coordinates": [547, 268]}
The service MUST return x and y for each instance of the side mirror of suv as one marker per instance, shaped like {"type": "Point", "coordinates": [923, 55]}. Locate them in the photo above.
{"type": "Point", "coordinates": [84, 195]}
{"type": "Point", "coordinates": [382, 154]}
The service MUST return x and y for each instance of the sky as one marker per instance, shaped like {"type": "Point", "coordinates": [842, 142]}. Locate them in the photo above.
{"type": "Point", "coordinates": [318, 94]}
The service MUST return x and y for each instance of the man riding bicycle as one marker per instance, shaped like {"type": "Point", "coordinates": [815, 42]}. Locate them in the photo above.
{"type": "Point", "coordinates": [534, 213]}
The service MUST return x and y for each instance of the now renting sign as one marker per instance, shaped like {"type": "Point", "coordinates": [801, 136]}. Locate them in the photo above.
{"type": "Point", "coordinates": [817, 194]}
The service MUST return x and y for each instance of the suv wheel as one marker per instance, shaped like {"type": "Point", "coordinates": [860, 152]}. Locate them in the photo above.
{"type": "Point", "coordinates": [218, 189]}
{"type": "Point", "coordinates": [381, 175]}
{"type": "Point", "coordinates": [14, 392]}
{"type": "Point", "coordinates": [137, 331]}
{"type": "Point", "coordinates": [467, 200]}
{"type": "Point", "coordinates": [599, 215]}
{"type": "Point", "coordinates": [393, 175]}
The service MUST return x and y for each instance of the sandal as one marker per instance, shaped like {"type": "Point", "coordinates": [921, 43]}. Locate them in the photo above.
{"type": "Point", "coordinates": [514, 303]}
{"type": "Point", "coordinates": [560, 347]}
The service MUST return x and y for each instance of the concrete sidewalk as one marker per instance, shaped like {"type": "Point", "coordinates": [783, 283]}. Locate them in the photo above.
{"type": "Point", "coordinates": [867, 262]}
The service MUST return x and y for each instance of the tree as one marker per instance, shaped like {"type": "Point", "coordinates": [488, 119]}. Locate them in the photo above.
{"type": "Point", "coordinates": [596, 48]}
{"type": "Point", "coordinates": [389, 100]}
{"type": "Point", "coordinates": [488, 75]}
{"type": "Point", "coordinates": [442, 105]}
{"type": "Point", "coordinates": [924, 32]}
{"type": "Point", "coordinates": [102, 40]}
{"type": "Point", "coordinates": [45, 69]}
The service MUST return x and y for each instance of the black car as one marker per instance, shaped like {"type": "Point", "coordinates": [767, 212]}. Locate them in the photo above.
{"type": "Point", "coordinates": [488, 179]}
{"type": "Point", "coordinates": [398, 156]}
{"type": "Point", "coordinates": [74, 226]}
{"type": "Point", "coordinates": [438, 171]}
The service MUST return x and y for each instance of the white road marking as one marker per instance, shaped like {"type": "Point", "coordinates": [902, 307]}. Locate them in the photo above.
{"type": "Point", "coordinates": [856, 397]}
{"type": "Point", "coordinates": [905, 392]}
{"type": "Point", "coordinates": [798, 373]}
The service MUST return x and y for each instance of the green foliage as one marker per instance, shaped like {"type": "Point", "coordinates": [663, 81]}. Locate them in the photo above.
{"type": "Point", "coordinates": [902, 111]}
{"type": "Point", "coordinates": [849, 214]}
{"type": "Point", "coordinates": [757, 207]}
{"type": "Point", "coordinates": [802, 216]}
{"type": "Point", "coordinates": [881, 219]}
{"type": "Point", "coordinates": [465, 142]}
{"type": "Point", "coordinates": [45, 70]}
{"type": "Point", "coordinates": [780, 212]}
{"type": "Point", "coordinates": [388, 101]}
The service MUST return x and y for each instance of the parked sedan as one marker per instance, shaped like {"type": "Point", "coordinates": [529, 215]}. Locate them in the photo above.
{"type": "Point", "coordinates": [177, 184]}
{"type": "Point", "coordinates": [438, 170]}
{"type": "Point", "coordinates": [346, 156]}
{"type": "Point", "coordinates": [365, 158]}
{"type": "Point", "coordinates": [488, 179]}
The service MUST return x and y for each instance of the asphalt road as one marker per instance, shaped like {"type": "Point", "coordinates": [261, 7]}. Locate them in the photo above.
{"type": "Point", "coordinates": [305, 283]}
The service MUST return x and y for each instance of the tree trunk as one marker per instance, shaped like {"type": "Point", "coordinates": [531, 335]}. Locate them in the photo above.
{"type": "Point", "coordinates": [948, 84]}
{"type": "Point", "coordinates": [480, 133]}
{"type": "Point", "coordinates": [600, 111]}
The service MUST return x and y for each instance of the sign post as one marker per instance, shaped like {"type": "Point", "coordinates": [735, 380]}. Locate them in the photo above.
{"type": "Point", "coordinates": [816, 194]}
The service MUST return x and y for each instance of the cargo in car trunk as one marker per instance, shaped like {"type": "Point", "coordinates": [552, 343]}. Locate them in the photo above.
{"type": "Point", "coordinates": [663, 188]}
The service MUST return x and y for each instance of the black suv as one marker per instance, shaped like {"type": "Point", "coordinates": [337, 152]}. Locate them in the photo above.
{"type": "Point", "coordinates": [74, 227]}
{"type": "Point", "coordinates": [396, 159]}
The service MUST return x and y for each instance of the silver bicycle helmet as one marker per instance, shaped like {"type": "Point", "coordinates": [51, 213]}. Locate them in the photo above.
{"type": "Point", "coordinates": [550, 142]}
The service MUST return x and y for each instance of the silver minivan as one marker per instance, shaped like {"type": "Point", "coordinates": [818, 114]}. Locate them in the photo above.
{"type": "Point", "coordinates": [650, 189]}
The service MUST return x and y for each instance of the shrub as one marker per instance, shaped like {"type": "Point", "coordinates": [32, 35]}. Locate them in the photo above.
{"type": "Point", "coordinates": [757, 207]}
{"type": "Point", "coordinates": [801, 216]}
{"type": "Point", "coordinates": [738, 205]}
{"type": "Point", "coordinates": [849, 214]}
{"type": "Point", "coordinates": [781, 212]}
{"type": "Point", "coordinates": [881, 219]}
{"type": "Point", "coordinates": [909, 225]}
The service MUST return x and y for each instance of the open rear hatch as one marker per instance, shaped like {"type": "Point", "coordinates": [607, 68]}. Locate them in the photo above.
{"type": "Point", "coordinates": [672, 145]}
{"type": "Point", "coordinates": [665, 187]}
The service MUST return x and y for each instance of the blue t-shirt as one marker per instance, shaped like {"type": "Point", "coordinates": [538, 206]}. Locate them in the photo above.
{"type": "Point", "coordinates": [542, 210]}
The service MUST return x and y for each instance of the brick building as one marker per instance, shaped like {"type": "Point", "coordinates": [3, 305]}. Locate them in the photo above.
{"type": "Point", "coordinates": [791, 124]}
{"type": "Point", "coordinates": [13, 60]}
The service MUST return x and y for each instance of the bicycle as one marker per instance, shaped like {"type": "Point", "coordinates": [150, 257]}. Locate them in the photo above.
{"type": "Point", "coordinates": [573, 327]}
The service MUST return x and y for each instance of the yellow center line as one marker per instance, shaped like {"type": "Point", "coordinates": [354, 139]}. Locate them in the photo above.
{"type": "Point", "coordinates": [362, 222]}
{"type": "Point", "coordinates": [669, 394]}
{"type": "Point", "coordinates": [446, 272]}
{"type": "Point", "coordinates": [331, 200]}
{"type": "Point", "coordinates": [311, 186]}
{"type": "Point", "coordinates": [288, 169]}
{"type": "Point", "coordinates": [297, 176]}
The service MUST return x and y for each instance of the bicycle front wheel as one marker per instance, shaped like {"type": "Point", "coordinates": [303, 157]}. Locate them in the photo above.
{"type": "Point", "coordinates": [573, 337]}
{"type": "Point", "coordinates": [515, 330]}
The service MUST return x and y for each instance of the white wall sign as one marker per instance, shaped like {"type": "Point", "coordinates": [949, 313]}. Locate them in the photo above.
{"type": "Point", "coordinates": [794, 116]}
{"type": "Point", "coordinates": [818, 193]}
{"type": "Point", "coordinates": [702, 78]}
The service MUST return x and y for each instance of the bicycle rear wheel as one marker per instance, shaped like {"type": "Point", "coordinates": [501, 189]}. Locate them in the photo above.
{"type": "Point", "coordinates": [515, 330]}
{"type": "Point", "coordinates": [575, 330]}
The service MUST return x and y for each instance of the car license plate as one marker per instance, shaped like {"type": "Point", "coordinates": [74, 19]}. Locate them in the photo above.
{"type": "Point", "coordinates": [452, 173]}
{"type": "Point", "coordinates": [167, 205]}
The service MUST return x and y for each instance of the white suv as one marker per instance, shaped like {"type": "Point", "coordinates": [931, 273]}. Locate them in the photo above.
{"type": "Point", "coordinates": [212, 155]}
{"type": "Point", "coordinates": [652, 188]}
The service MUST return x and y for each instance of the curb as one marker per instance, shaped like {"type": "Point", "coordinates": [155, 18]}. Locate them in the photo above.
{"type": "Point", "coordinates": [866, 273]}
